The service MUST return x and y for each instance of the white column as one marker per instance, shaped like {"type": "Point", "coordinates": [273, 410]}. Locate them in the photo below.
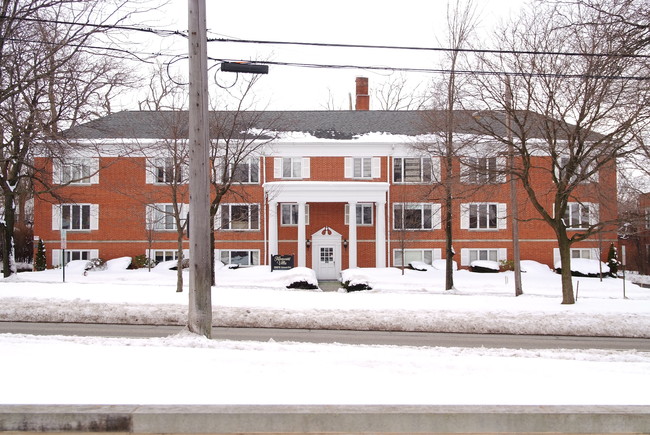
{"type": "Point", "coordinates": [380, 235]}
{"type": "Point", "coordinates": [352, 236]}
{"type": "Point", "coordinates": [302, 249]}
{"type": "Point", "coordinates": [273, 229]}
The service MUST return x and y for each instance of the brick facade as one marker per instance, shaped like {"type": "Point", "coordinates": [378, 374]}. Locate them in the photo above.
{"type": "Point", "coordinates": [122, 190]}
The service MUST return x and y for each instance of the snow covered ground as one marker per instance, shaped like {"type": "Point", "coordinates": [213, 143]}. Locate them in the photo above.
{"type": "Point", "coordinates": [169, 370]}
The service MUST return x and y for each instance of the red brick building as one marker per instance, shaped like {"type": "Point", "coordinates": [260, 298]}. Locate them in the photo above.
{"type": "Point", "coordinates": [338, 189]}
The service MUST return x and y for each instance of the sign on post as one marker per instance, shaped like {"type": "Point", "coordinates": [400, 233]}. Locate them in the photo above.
{"type": "Point", "coordinates": [282, 262]}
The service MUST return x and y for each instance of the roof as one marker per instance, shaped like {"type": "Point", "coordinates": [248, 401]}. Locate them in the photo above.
{"type": "Point", "coordinates": [335, 124]}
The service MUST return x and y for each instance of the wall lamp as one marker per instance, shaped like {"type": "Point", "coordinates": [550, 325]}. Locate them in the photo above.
{"type": "Point", "coordinates": [345, 243]}
{"type": "Point", "coordinates": [308, 243]}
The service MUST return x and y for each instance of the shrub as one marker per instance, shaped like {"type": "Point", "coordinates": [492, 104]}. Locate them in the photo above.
{"type": "Point", "coordinates": [40, 263]}
{"type": "Point", "coordinates": [302, 285]}
{"type": "Point", "coordinates": [356, 287]}
{"type": "Point", "coordinates": [141, 261]}
{"type": "Point", "coordinates": [97, 264]}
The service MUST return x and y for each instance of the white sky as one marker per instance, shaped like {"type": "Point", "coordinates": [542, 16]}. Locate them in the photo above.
{"type": "Point", "coordinates": [407, 23]}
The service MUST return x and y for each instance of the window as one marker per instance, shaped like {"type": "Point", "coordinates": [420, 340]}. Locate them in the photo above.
{"type": "Point", "coordinates": [483, 216]}
{"type": "Point", "coordinates": [243, 258]}
{"type": "Point", "coordinates": [247, 171]}
{"type": "Point", "coordinates": [647, 218]}
{"type": "Point", "coordinates": [582, 173]}
{"type": "Point", "coordinates": [364, 214]}
{"type": "Point", "coordinates": [582, 253]}
{"type": "Point", "coordinates": [580, 215]}
{"type": "Point", "coordinates": [483, 170]}
{"type": "Point", "coordinates": [72, 255]}
{"type": "Point", "coordinates": [469, 255]}
{"type": "Point", "coordinates": [240, 217]}
{"type": "Point", "coordinates": [76, 171]}
{"type": "Point", "coordinates": [160, 217]}
{"type": "Point", "coordinates": [290, 214]}
{"type": "Point", "coordinates": [75, 217]}
{"type": "Point", "coordinates": [406, 256]}
{"type": "Point", "coordinates": [166, 172]}
{"type": "Point", "coordinates": [362, 167]}
{"type": "Point", "coordinates": [416, 216]}
{"type": "Point", "coordinates": [412, 170]}
{"type": "Point", "coordinates": [164, 255]}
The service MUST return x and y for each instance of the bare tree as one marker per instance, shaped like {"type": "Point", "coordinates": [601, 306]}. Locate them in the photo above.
{"type": "Point", "coordinates": [576, 105]}
{"type": "Point", "coordinates": [238, 137]}
{"type": "Point", "coordinates": [461, 20]}
{"type": "Point", "coordinates": [397, 94]}
{"type": "Point", "coordinates": [47, 80]}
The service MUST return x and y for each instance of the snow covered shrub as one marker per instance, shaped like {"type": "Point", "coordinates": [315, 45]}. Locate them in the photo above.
{"type": "Point", "coordinates": [302, 285]}
{"type": "Point", "coordinates": [97, 264]}
{"type": "Point", "coordinates": [484, 266]}
{"type": "Point", "coordinates": [142, 261]}
{"type": "Point", "coordinates": [348, 286]}
{"type": "Point", "coordinates": [507, 265]}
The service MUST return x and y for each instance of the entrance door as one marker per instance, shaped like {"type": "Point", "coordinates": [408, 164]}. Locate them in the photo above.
{"type": "Point", "coordinates": [326, 254]}
{"type": "Point", "coordinates": [327, 268]}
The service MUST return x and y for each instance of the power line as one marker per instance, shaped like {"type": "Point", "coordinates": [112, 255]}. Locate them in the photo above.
{"type": "Point", "coordinates": [441, 71]}
{"type": "Point", "coordinates": [440, 49]}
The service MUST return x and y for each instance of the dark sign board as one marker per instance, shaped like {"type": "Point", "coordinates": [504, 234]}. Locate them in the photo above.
{"type": "Point", "coordinates": [281, 262]}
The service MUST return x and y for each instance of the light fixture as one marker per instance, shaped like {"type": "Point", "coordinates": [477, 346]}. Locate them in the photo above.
{"type": "Point", "coordinates": [308, 243]}
{"type": "Point", "coordinates": [345, 243]}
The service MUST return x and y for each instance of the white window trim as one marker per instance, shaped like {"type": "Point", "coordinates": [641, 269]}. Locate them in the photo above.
{"type": "Point", "coordinates": [502, 254]}
{"type": "Point", "coordinates": [592, 218]}
{"type": "Point", "coordinates": [58, 253]}
{"type": "Point", "coordinates": [219, 223]}
{"type": "Point", "coordinates": [247, 161]}
{"type": "Point", "coordinates": [305, 171]}
{"type": "Point", "coordinates": [152, 209]}
{"type": "Point", "coordinates": [435, 170]}
{"type": "Point", "coordinates": [92, 162]}
{"type": "Point", "coordinates": [362, 205]}
{"type": "Point", "coordinates": [292, 224]}
{"type": "Point", "coordinates": [256, 255]}
{"type": "Point", "coordinates": [57, 216]}
{"type": "Point", "coordinates": [502, 216]}
{"type": "Point", "coordinates": [436, 254]}
{"type": "Point", "coordinates": [436, 217]}
{"type": "Point", "coordinates": [562, 162]}
{"type": "Point", "coordinates": [468, 171]}
{"type": "Point", "coordinates": [375, 167]}
{"type": "Point", "coordinates": [594, 254]}
{"type": "Point", "coordinates": [154, 163]}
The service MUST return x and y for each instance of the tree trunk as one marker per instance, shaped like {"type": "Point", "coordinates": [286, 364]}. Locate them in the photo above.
{"type": "Point", "coordinates": [8, 265]}
{"type": "Point", "coordinates": [449, 249]}
{"type": "Point", "coordinates": [565, 262]}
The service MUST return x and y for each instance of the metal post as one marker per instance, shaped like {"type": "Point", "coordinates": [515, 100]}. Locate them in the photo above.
{"type": "Point", "coordinates": [200, 304]}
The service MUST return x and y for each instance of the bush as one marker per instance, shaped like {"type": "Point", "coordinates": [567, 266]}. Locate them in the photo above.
{"type": "Point", "coordinates": [40, 263]}
{"type": "Point", "coordinates": [302, 285]}
{"type": "Point", "coordinates": [356, 287]}
{"type": "Point", "coordinates": [97, 264]}
{"type": "Point", "coordinates": [142, 261]}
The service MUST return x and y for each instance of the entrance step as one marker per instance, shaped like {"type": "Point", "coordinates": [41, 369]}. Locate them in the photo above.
{"type": "Point", "coordinates": [329, 286]}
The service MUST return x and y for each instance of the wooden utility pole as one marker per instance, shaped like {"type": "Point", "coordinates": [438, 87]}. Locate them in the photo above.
{"type": "Point", "coordinates": [200, 305]}
{"type": "Point", "coordinates": [514, 208]}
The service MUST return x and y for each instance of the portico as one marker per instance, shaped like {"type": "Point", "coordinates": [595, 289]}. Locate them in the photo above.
{"type": "Point", "coordinates": [306, 192]}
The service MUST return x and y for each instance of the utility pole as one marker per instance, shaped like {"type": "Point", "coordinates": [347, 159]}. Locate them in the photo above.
{"type": "Point", "coordinates": [514, 208]}
{"type": "Point", "coordinates": [200, 304]}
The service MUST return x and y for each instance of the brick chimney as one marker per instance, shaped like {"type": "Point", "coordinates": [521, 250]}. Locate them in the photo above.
{"type": "Point", "coordinates": [363, 99]}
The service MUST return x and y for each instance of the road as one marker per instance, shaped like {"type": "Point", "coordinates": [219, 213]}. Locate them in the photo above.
{"type": "Point", "coordinates": [336, 336]}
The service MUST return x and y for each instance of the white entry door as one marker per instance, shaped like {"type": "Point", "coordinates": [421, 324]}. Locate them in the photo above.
{"type": "Point", "coordinates": [327, 267]}
{"type": "Point", "coordinates": [326, 254]}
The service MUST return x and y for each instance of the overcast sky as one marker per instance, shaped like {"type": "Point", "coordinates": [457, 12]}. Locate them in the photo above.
{"type": "Point", "coordinates": [416, 23]}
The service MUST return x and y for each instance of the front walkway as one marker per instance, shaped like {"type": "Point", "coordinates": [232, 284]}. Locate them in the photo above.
{"type": "Point", "coordinates": [329, 286]}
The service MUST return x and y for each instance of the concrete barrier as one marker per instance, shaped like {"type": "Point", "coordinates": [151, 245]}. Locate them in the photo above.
{"type": "Point", "coordinates": [331, 419]}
